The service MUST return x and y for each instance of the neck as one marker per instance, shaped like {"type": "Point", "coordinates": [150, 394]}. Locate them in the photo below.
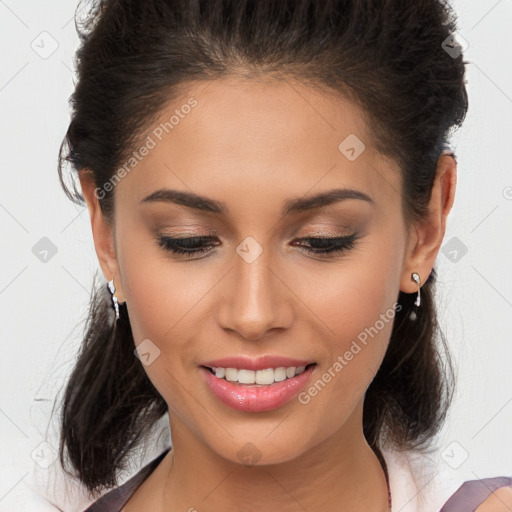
{"type": "Point", "coordinates": [340, 473]}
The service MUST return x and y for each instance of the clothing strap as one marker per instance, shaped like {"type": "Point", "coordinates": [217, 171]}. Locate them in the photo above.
{"type": "Point", "coordinates": [473, 493]}
{"type": "Point", "coordinates": [382, 461]}
{"type": "Point", "coordinates": [116, 499]}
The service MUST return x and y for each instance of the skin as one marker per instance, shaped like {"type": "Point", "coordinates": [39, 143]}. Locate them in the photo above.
{"type": "Point", "coordinates": [499, 501]}
{"type": "Point", "coordinates": [254, 145]}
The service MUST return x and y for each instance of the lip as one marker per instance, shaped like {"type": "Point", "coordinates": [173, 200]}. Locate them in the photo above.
{"type": "Point", "coordinates": [254, 398]}
{"type": "Point", "coordinates": [259, 363]}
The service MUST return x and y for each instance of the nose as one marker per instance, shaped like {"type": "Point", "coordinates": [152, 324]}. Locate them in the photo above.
{"type": "Point", "coordinates": [255, 299]}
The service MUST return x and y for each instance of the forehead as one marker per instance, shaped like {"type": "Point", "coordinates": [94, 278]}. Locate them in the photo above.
{"type": "Point", "coordinates": [236, 138]}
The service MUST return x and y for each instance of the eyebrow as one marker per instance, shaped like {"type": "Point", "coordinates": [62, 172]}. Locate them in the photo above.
{"type": "Point", "coordinates": [296, 205]}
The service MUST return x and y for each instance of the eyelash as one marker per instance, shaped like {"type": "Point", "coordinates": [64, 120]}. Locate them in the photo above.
{"type": "Point", "coordinates": [338, 245]}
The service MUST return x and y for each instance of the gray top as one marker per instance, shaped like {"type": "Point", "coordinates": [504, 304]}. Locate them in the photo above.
{"type": "Point", "coordinates": [466, 499]}
{"type": "Point", "coordinates": [474, 492]}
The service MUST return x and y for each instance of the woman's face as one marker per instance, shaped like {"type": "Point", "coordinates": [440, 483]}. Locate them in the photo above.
{"type": "Point", "coordinates": [252, 150]}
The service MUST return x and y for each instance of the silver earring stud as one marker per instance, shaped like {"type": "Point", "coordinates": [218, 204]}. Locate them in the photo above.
{"type": "Point", "coordinates": [115, 302]}
{"type": "Point", "coordinates": [416, 278]}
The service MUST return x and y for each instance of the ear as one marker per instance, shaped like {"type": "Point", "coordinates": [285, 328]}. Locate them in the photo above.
{"type": "Point", "coordinates": [426, 235]}
{"type": "Point", "coordinates": [102, 232]}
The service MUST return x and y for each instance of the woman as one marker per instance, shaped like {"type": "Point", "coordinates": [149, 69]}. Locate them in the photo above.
{"type": "Point", "coordinates": [268, 185]}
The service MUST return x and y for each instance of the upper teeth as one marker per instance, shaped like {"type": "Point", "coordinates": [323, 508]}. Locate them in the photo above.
{"type": "Point", "coordinates": [267, 376]}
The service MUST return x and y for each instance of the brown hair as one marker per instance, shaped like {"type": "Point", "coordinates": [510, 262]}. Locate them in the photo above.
{"type": "Point", "coordinates": [387, 55]}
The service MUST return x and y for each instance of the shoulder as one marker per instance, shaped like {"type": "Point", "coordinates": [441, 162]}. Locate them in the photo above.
{"type": "Point", "coordinates": [499, 501]}
{"type": "Point", "coordinates": [419, 483]}
{"type": "Point", "coordinates": [117, 498]}
{"type": "Point", "coordinates": [485, 495]}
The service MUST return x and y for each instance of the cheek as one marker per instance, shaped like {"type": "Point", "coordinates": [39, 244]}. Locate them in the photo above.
{"type": "Point", "coordinates": [356, 307]}
{"type": "Point", "coordinates": [161, 293]}
{"type": "Point", "coordinates": [351, 295]}
{"type": "Point", "coordinates": [167, 305]}
{"type": "Point", "coordinates": [161, 298]}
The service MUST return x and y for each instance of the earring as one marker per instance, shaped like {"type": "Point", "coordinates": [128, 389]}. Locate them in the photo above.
{"type": "Point", "coordinates": [416, 278]}
{"type": "Point", "coordinates": [115, 302]}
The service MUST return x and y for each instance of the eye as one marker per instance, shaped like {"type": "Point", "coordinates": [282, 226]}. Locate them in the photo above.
{"type": "Point", "coordinates": [329, 246]}
{"type": "Point", "coordinates": [188, 247]}
{"type": "Point", "coordinates": [198, 245]}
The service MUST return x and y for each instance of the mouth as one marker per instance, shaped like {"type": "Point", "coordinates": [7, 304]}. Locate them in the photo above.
{"type": "Point", "coordinates": [258, 378]}
{"type": "Point", "coordinates": [256, 390]}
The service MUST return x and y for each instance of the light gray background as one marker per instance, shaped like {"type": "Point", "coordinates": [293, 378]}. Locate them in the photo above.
{"type": "Point", "coordinates": [43, 304]}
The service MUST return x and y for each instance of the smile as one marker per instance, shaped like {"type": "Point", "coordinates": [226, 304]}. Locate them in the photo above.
{"type": "Point", "coordinates": [256, 390]}
{"type": "Point", "coordinates": [264, 377]}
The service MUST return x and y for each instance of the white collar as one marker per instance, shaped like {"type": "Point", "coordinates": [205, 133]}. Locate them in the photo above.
{"type": "Point", "coordinates": [417, 482]}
